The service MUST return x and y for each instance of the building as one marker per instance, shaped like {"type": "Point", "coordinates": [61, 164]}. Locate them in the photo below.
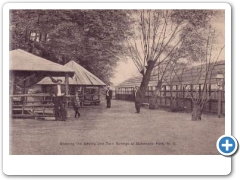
{"type": "Point", "coordinates": [87, 85]}
{"type": "Point", "coordinates": [178, 82]}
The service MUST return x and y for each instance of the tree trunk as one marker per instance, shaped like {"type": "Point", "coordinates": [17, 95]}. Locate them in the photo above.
{"type": "Point", "coordinates": [146, 77]}
{"type": "Point", "coordinates": [153, 100]}
{"type": "Point", "coordinates": [197, 112]}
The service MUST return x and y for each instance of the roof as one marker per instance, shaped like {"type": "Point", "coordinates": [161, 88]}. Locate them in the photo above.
{"type": "Point", "coordinates": [136, 81]}
{"type": "Point", "coordinates": [21, 60]}
{"type": "Point", "coordinates": [187, 77]}
{"type": "Point", "coordinates": [81, 76]}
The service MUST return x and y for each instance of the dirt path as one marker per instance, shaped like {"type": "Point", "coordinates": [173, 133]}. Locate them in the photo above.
{"type": "Point", "coordinates": [118, 130]}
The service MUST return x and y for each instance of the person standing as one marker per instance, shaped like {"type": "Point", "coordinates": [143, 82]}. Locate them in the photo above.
{"type": "Point", "coordinates": [108, 96]}
{"type": "Point", "coordinates": [137, 98]}
{"type": "Point", "coordinates": [76, 104]}
{"type": "Point", "coordinates": [57, 92]}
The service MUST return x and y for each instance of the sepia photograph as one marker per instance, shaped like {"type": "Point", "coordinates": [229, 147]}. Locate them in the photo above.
{"type": "Point", "coordinates": [116, 81]}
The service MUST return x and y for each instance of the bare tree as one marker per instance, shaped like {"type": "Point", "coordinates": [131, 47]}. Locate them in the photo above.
{"type": "Point", "coordinates": [158, 34]}
{"type": "Point", "coordinates": [172, 79]}
{"type": "Point", "coordinates": [201, 75]}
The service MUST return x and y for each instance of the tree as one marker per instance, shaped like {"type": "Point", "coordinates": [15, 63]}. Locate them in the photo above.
{"type": "Point", "coordinates": [172, 77]}
{"type": "Point", "coordinates": [202, 76]}
{"type": "Point", "coordinates": [160, 34]}
{"type": "Point", "coordinates": [93, 38]}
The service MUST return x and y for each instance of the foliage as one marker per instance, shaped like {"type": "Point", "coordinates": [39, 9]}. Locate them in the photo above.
{"type": "Point", "coordinates": [92, 38]}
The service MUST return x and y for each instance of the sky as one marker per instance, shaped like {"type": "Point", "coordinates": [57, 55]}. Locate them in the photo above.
{"type": "Point", "coordinates": [124, 70]}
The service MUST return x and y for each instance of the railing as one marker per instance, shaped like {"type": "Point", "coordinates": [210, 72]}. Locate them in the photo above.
{"type": "Point", "coordinates": [42, 105]}
{"type": "Point", "coordinates": [164, 99]}
{"type": "Point", "coordinates": [31, 105]}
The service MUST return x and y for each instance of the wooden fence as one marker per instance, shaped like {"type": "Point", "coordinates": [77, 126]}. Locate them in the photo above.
{"type": "Point", "coordinates": [31, 105]}
{"type": "Point", "coordinates": [164, 97]}
{"type": "Point", "coordinates": [42, 105]}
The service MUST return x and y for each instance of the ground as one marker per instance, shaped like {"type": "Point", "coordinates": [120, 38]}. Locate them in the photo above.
{"type": "Point", "coordinates": [117, 130]}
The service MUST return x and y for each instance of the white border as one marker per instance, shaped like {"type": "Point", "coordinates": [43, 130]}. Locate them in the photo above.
{"type": "Point", "coordinates": [114, 165]}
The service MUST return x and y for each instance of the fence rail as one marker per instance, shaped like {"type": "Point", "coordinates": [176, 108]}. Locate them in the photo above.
{"type": "Point", "coordinates": [165, 95]}
{"type": "Point", "coordinates": [42, 105]}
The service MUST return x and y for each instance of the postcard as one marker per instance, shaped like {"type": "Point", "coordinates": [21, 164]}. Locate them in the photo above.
{"type": "Point", "coordinates": [117, 89]}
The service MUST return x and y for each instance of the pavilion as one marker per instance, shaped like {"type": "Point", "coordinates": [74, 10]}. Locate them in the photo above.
{"type": "Point", "coordinates": [84, 82]}
{"type": "Point", "coordinates": [25, 70]}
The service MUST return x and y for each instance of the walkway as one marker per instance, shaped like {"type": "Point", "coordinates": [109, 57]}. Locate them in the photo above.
{"type": "Point", "coordinates": [118, 130]}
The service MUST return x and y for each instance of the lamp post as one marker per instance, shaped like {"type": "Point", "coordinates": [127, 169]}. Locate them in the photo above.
{"type": "Point", "coordinates": [219, 78]}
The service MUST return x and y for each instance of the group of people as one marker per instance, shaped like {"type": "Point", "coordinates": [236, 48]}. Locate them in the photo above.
{"type": "Point", "coordinates": [137, 98]}
{"type": "Point", "coordinates": [57, 92]}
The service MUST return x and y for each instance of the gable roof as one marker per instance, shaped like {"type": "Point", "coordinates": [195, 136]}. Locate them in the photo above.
{"type": "Point", "coordinates": [81, 76]}
{"type": "Point", "coordinates": [187, 77]}
{"type": "Point", "coordinates": [21, 60]}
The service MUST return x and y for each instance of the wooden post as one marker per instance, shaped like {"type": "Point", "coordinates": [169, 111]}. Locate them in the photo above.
{"type": "Point", "coordinates": [209, 93]}
{"type": "Point", "coordinates": [12, 84]}
{"type": "Point", "coordinates": [160, 91]}
{"type": "Point", "coordinates": [183, 92]}
{"type": "Point", "coordinates": [24, 91]}
{"type": "Point", "coordinates": [66, 83]}
{"type": "Point", "coordinates": [199, 90]}
{"type": "Point", "coordinates": [83, 87]}
{"type": "Point", "coordinates": [165, 93]}
{"type": "Point", "coordinates": [171, 95]}
{"type": "Point", "coordinates": [12, 92]}
{"type": "Point", "coordinates": [99, 93]}
{"type": "Point", "coordinates": [66, 88]}
{"type": "Point", "coordinates": [125, 97]}
{"type": "Point", "coordinates": [177, 98]}
{"type": "Point", "coordinates": [219, 102]}
{"type": "Point", "coordinates": [122, 93]}
{"type": "Point", "coordinates": [192, 94]}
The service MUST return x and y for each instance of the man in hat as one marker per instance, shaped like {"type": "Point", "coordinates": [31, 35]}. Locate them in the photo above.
{"type": "Point", "coordinates": [58, 92]}
{"type": "Point", "coordinates": [137, 98]}
{"type": "Point", "coordinates": [108, 96]}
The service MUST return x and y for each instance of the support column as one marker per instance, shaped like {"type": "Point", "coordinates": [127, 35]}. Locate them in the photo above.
{"type": "Point", "coordinates": [99, 92]}
{"type": "Point", "coordinates": [24, 91]}
{"type": "Point", "coordinates": [12, 75]}
{"type": "Point", "coordinates": [165, 93]}
{"type": "Point", "coordinates": [219, 102]}
{"type": "Point", "coordinates": [66, 88]}
{"type": "Point", "coordinates": [192, 94]}
{"type": "Point", "coordinates": [83, 91]}
{"type": "Point", "coordinates": [209, 94]}
{"type": "Point", "coordinates": [177, 98]}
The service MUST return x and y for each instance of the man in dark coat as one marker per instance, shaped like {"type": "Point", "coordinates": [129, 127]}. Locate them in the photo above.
{"type": "Point", "coordinates": [108, 96]}
{"type": "Point", "coordinates": [57, 92]}
{"type": "Point", "coordinates": [137, 98]}
{"type": "Point", "coordinates": [76, 104]}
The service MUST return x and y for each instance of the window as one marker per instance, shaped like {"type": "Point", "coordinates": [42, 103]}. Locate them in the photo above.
{"type": "Point", "coordinates": [38, 36]}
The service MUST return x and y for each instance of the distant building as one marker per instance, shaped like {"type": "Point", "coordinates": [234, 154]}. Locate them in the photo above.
{"type": "Point", "coordinates": [172, 85]}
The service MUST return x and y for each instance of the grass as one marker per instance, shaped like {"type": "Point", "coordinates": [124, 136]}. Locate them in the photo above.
{"type": "Point", "coordinates": [118, 130]}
